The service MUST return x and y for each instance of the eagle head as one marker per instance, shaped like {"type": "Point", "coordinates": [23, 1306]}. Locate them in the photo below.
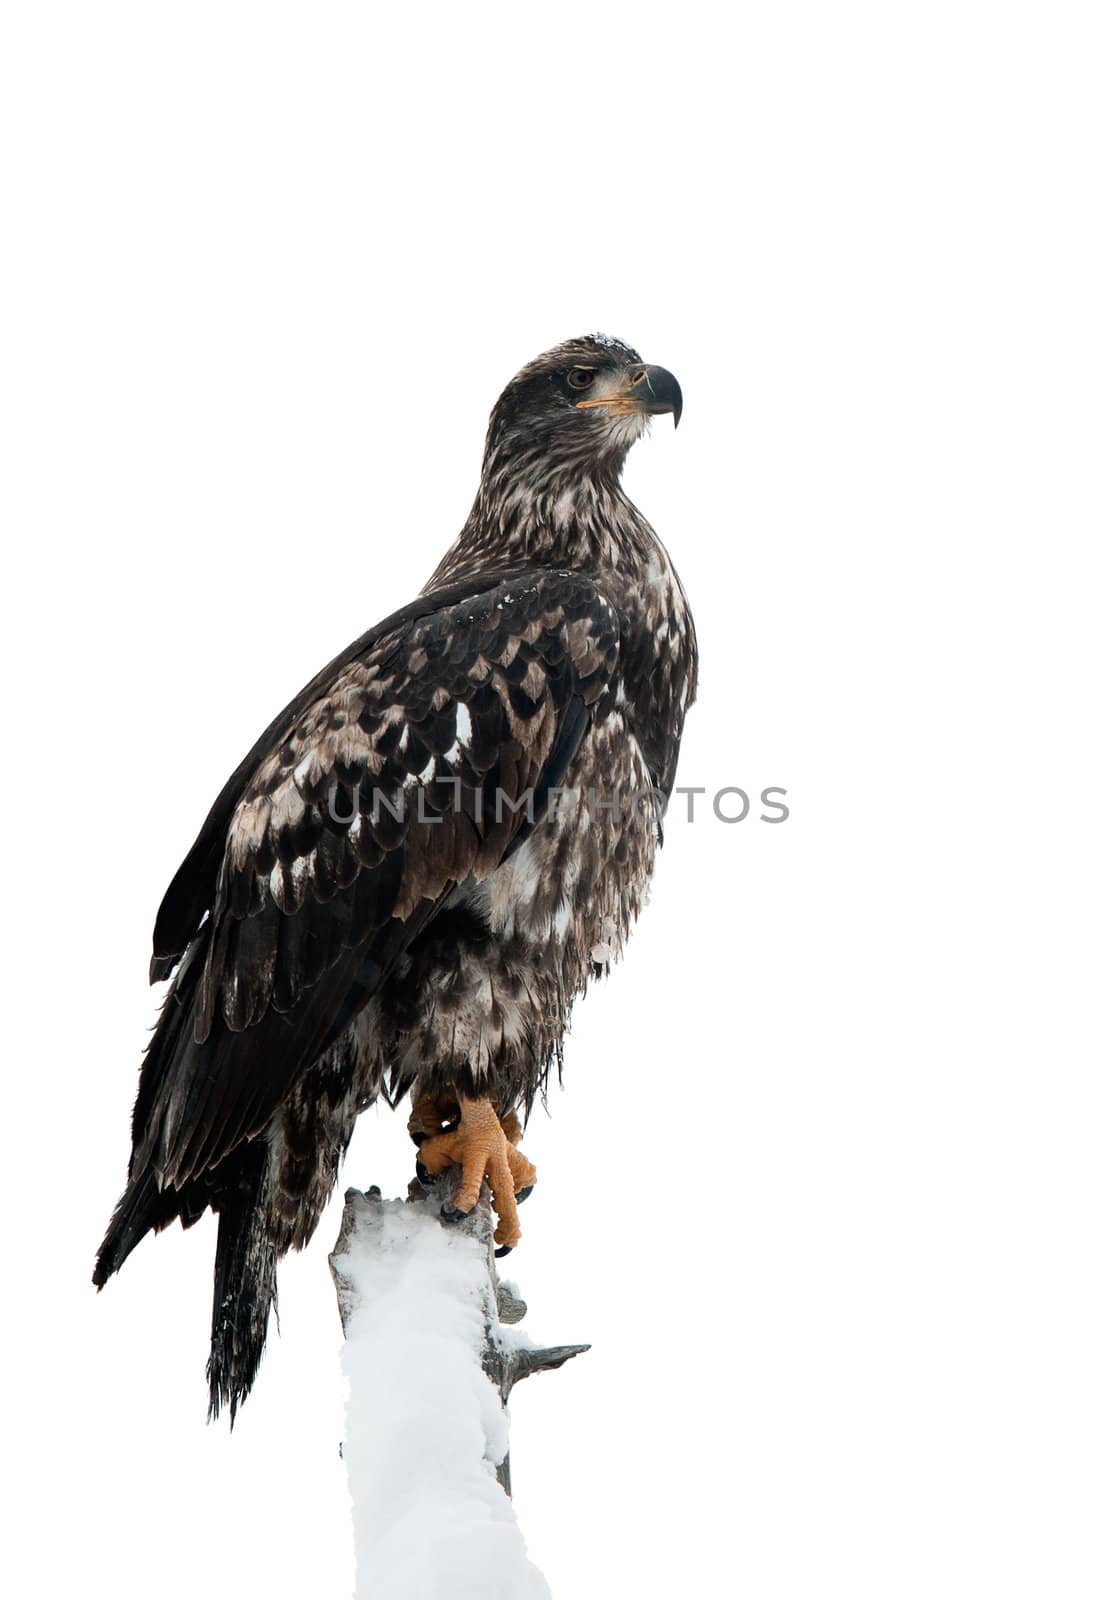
{"type": "Point", "coordinates": [579, 406]}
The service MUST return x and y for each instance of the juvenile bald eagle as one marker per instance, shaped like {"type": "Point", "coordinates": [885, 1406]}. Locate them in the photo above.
{"type": "Point", "coordinates": [424, 858]}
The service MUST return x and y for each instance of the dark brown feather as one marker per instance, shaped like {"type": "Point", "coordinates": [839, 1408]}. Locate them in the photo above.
{"type": "Point", "coordinates": [385, 895]}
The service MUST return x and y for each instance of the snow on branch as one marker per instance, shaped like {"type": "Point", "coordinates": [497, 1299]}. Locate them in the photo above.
{"type": "Point", "coordinates": [430, 1362]}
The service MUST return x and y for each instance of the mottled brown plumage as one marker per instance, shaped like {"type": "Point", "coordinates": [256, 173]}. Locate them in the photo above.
{"type": "Point", "coordinates": [428, 855]}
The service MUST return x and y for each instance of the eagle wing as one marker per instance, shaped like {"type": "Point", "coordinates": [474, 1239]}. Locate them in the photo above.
{"type": "Point", "coordinates": [400, 772]}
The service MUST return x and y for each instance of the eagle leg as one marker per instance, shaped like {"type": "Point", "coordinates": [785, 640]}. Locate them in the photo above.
{"type": "Point", "coordinates": [484, 1146]}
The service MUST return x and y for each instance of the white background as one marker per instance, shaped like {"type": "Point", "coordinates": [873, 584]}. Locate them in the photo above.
{"type": "Point", "coordinates": [826, 1186]}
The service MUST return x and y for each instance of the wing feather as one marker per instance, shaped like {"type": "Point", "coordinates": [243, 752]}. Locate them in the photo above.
{"type": "Point", "coordinates": [396, 776]}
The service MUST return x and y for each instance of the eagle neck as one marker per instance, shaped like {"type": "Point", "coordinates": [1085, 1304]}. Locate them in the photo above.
{"type": "Point", "coordinates": [576, 520]}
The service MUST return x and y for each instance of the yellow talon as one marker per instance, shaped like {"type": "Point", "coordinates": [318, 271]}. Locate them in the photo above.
{"type": "Point", "coordinates": [484, 1147]}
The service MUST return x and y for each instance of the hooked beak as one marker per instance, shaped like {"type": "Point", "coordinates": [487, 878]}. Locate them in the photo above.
{"type": "Point", "coordinates": [651, 391]}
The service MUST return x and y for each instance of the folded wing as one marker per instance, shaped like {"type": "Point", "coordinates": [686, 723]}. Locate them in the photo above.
{"type": "Point", "coordinates": [401, 771]}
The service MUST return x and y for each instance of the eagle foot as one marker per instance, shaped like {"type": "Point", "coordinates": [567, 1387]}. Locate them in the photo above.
{"type": "Point", "coordinates": [484, 1146]}
{"type": "Point", "coordinates": [436, 1111]}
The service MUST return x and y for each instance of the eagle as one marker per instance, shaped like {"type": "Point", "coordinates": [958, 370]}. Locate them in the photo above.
{"type": "Point", "coordinates": [424, 859]}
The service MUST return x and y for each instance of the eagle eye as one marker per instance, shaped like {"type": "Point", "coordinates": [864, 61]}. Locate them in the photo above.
{"type": "Point", "coordinates": [580, 377]}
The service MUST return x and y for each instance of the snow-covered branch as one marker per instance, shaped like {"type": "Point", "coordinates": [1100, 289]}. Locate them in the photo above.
{"type": "Point", "coordinates": [431, 1357]}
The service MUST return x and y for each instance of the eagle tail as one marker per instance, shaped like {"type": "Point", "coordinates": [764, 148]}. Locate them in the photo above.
{"type": "Point", "coordinates": [245, 1284]}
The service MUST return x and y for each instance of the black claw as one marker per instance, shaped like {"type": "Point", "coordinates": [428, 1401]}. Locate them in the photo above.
{"type": "Point", "coordinates": [503, 1250]}
{"type": "Point", "coordinates": [521, 1194]}
{"type": "Point", "coordinates": [451, 1213]}
{"type": "Point", "coordinates": [417, 1137]}
{"type": "Point", "coordinates": [423, 1175]}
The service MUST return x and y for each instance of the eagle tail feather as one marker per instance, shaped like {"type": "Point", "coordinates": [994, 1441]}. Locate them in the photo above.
{"type": "Point", "coordinates": [245, 1284]}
